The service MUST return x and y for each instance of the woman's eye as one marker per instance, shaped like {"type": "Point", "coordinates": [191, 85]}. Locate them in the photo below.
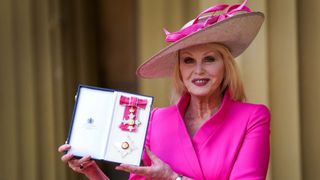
{"type": "Point", "coordinates": [188, 60]}
{"type": "Point", "coordinates": [209, 59]}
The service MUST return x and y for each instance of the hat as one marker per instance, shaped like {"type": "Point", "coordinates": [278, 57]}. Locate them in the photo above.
{"type": "Point", "coordinates": [235, 31]}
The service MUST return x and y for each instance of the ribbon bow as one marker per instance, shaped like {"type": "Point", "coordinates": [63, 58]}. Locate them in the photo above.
{"type": "Point", "coordinates": [212, 19]}
{"type": "Point", "coordinates": [133, 101]}
{"type": "Point", "coordinates": [129, 120]}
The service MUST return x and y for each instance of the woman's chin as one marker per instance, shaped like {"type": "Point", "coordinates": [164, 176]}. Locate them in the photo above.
{"type": "Point", "coordinates": [203, 92]}
{"type": "Point", "coordinates": [200, 94]}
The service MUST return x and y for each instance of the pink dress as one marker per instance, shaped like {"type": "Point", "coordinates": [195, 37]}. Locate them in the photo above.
{"type": "Point", "coordinates": [232, 144]}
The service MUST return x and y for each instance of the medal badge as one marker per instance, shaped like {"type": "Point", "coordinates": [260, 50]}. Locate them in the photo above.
{"type": "Point", "coordinates": [130, 122]}
{"type": "Point", "coordinates": [125, 146]}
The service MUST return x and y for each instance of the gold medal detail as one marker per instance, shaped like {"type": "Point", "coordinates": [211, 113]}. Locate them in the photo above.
{"type": "Point", "coordinates": [130, 122]}
{"type": "Point", "coordinates": [125, 145]}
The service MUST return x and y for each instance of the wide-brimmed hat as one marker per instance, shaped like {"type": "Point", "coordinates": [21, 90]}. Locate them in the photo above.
{"type": "Point", "coordinates": [232, 29]}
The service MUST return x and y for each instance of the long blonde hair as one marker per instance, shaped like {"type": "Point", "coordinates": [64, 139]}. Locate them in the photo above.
{"type": "Point", "coordinates": [231, 81]}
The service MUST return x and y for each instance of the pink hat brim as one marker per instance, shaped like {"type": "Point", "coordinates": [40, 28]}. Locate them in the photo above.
{"type": "Point", "coordinates": [236, 33]}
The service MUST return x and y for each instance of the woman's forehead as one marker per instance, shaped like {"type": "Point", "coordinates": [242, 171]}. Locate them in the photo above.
{"type": "Point", "coordinates": [201, 48]}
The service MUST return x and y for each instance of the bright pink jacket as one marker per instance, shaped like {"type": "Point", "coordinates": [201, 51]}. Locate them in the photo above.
{"type": "Point", "coordinates": [232, 144]}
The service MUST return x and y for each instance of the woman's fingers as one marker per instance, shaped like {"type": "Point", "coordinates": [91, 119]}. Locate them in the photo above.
{"type": "Point", "coordinates": [157, 170]}
{"type": "Point", "coordinates": [144, 170]}
{"type": "Point", "coordinates": [69, 158]}
{"type": "Point", "coordinates": [152, 157]}
{"type": "Point", "coordinates": [84, 165]}
{"type": "Point", "coordinates": [66, 158]}
{"type": "Point", "coordinates": [80, 164]}
{"type": "Point", "coordinates": [88, 163]}
{"type": "Point", "coordinates": [64, 147]}
{"type": "Point", "coordinates": [83, 161]}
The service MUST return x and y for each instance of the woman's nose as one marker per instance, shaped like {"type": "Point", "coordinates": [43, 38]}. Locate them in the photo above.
{"type": "Point", "coordinates": [199, 68]}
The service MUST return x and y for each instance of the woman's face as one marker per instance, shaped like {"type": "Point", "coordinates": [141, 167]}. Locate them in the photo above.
{"type": "Point", "coordinates": [202, 69]}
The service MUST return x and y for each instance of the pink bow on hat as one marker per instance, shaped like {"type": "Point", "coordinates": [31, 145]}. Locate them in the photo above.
{"type": "Point", "coordinates": [198, 25]}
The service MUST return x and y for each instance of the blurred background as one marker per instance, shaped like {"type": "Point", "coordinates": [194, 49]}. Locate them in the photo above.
{"type": "Point", "coordinates": [48, 47]}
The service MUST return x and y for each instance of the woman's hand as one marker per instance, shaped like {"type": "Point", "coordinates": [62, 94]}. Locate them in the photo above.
{"type": "Point", "coordinates": [157, 170]}
{"type": "Point", "coordinates": [85, 165]}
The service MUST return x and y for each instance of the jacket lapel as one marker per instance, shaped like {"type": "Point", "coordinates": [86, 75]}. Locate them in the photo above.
{"type": "Point", "coordinates": [192, 146]}
{"type": "Point", "coordinates": [210, 127]}
{"type": "Point", "coordinates": [185, 140]}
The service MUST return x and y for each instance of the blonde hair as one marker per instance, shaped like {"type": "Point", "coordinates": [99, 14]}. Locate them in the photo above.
{"type": "Point", "coordinates": [231, 81]}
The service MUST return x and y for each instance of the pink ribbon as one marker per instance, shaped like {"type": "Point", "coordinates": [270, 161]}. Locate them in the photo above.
{"type": "Point", "coordinates": [212, 19]}
{"type": "Point", "coordinates": [132, 103]}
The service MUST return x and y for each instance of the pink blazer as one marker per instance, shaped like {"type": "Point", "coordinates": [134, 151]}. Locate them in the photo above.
{"type": "Point", "coordinates": [232, 144]}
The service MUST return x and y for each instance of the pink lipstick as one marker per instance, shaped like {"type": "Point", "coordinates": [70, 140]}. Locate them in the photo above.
{"type": "Point", "coordinates": [200, 81]}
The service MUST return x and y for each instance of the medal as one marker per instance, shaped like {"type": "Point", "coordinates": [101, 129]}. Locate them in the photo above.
{"type": "Point", "coordinates": [125, 146]}
{"type": "Point", "coordinates": [132, 105]}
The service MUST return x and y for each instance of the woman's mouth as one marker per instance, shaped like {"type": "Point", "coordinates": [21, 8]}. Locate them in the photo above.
{"type": "Point", "coordinates": [200, 82]}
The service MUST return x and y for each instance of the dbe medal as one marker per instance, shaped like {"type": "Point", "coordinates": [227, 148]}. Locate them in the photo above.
{"type": "Point", "coordinates": [132, 105]}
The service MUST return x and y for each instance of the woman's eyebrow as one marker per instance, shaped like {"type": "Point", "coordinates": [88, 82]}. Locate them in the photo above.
{"type": "Point", "coordinates": [210, 51]}
{"type": "Point", "coordinates": [188, 53]}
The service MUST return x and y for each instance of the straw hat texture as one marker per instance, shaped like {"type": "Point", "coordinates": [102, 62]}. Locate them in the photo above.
{"type": "Point", "coordinates": [235, 32]}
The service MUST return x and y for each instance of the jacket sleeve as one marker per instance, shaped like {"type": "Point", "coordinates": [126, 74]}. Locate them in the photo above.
{"type": "Point", "coordinates": [253, 158]}
{"type": "Point", "coordinates": [145, 159]}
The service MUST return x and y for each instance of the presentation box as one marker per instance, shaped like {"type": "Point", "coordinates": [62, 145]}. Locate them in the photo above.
{"type": "Point", "coordinates": [109, 125]}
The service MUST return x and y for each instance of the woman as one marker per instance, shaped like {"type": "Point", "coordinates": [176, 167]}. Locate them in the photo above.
{"type": "Point", "coordinates": [210, 133]}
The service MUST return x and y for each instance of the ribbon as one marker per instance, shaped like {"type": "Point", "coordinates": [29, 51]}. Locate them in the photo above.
{"type": "Point", "coordinates": [212, 19]}
{"type": "Point", "coordinates": [129, 120]}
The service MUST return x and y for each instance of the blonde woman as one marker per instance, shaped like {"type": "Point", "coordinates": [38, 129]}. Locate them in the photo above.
{"type": "Point", "coordinates": [210, 132]}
